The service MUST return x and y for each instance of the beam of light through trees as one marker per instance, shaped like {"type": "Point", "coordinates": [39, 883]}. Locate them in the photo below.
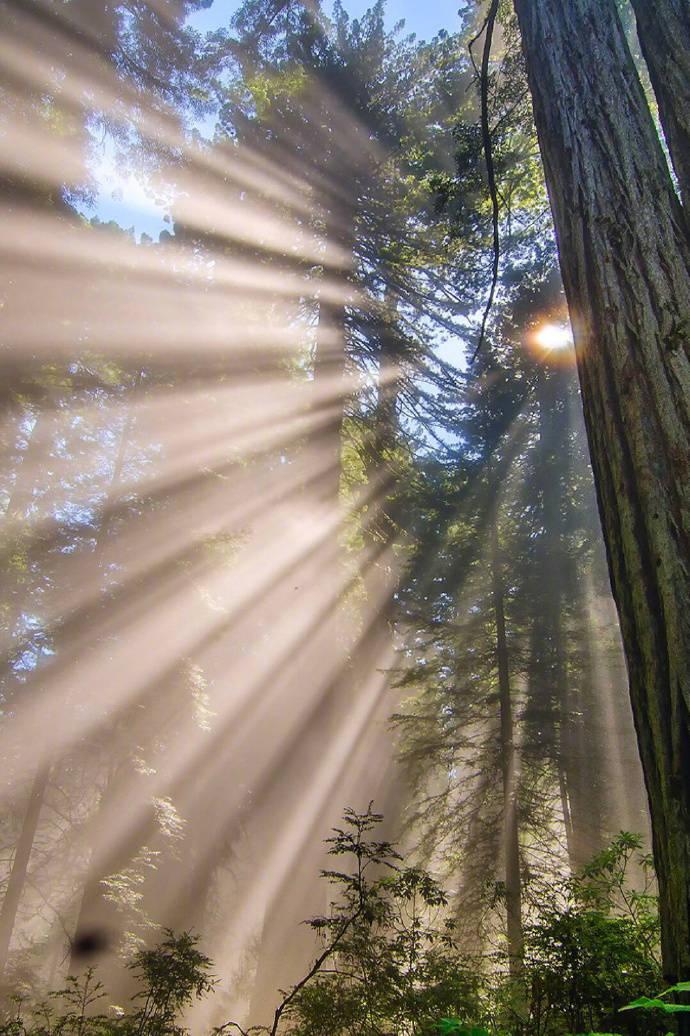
{"type": "Point", "coordinates": [250, 508]}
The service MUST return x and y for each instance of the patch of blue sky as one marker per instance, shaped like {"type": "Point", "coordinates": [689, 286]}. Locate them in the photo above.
{"type": "Point", "coordinates": [125, 199]}
{"type": "Point", "coordinates": [423, 19]}
{"type": "Point", "coordinates": [120, 207]}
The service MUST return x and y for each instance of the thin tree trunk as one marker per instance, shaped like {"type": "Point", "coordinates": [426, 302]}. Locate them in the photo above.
{"type": "Point", "coordinates": [582, 807]}
{"type": "Point", "coordinates": [300, 895]}
{"type": "Point", "coordinates": [97, 916]}
{"type": "Point", "coordinates": [20, 863]}
{"type": "Point", "coordinates": [18, 506]}
{"type": "Point", "coordinates": [511, 838]}
{"type": "Point", "coordinates": [41, 436]}
{"type": "Point", "coordinates": [329, 384]}
{"type": "Point", "coordinates": [330, 359]}
{"type": "Point", "coordinates": [625, 262]}
{"type": "Point", "coordinates": [663, 28]}
{"type": "Point", "coordinates": [552, 461]}
{"type": "Point", "coordinates": [374, 655]}
{"type": "Point", "coordinates": [98, 928]}
{"type": "Point", "coordinates": [28, 475]}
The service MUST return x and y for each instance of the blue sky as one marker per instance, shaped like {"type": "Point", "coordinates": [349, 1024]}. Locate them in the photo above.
{"type": "Point", "coordinates": [423, 17]}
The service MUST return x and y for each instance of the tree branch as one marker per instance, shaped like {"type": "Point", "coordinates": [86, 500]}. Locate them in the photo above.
{"type": "Point", "coordinates": [488, 156]}
{"type": "Point", "coordinates": [312, 971]}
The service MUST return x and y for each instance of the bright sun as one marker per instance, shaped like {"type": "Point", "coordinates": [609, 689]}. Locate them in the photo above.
{"type": "Point", "coordinates": [554, 336]}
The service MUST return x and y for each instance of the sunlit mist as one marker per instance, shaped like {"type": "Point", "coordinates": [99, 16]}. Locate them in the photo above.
{"type": "Point", "coordinates": [273, 548]}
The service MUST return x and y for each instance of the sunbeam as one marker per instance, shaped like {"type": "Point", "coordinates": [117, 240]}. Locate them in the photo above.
{"type": "Point", "coordinates": [310, 666]}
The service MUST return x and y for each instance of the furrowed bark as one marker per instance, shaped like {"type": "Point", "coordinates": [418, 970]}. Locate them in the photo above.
{"type": "Point", "coordinates": [625, 263]}
{"type": "Point", "coordinates": [663, 28]}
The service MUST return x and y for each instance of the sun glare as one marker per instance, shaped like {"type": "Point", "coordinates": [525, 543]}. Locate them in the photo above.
{"type": "Point", "coordinates": [552, 337]}
{"type": "Point", "coordinates": [253, 491]}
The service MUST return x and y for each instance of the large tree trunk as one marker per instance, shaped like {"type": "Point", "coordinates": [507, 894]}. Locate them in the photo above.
{"type": "Point", "coordinates": [625, 263]}
{"type": "Point", "coordinates": [663, 27]}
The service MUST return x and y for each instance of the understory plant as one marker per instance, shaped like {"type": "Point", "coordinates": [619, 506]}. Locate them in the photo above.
{"type": "Point", "coordinates": [591, 945]}
{"type": "Point", "coordinates": [171, 976]}
{"type": "Point", "coordinates": [389, 961]}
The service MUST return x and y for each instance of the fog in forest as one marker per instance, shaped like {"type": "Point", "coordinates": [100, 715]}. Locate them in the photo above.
{"type": "Point", "coordinates": [295, 522]}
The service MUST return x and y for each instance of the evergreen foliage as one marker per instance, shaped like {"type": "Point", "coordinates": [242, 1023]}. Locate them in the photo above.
{"type": "Point", "coordinates": [390, 960]}
{"type": "Point", "coordinates": [297, 510]}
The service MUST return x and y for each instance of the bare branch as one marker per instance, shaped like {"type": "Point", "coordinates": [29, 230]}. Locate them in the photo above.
{"type": "Point", "coordinates": [490, 169]}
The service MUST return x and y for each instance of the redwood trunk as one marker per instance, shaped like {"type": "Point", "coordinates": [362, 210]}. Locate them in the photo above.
{"type": "Point", "coordinates": [625, 262]}
{"type": "Point", "coordinates": [663, 27]}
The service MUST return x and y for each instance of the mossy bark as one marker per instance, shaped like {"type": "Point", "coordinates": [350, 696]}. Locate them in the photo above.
{"type": "Point", "coordinates": [625, 261]}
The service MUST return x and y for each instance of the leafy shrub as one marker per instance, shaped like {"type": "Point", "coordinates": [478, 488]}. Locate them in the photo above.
{"type": "Point", "coordinates": [172, 975]}
{"type": "Point", "coordinates": [393, 965]}
{"type": "Point", "coordinates": [390, 963]}
{"type": "Point", "coordinates": [591, 946]}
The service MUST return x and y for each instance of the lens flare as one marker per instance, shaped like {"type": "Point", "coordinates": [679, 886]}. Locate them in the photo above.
{"type": "Point", "coordinates": [234, 525]}
{"type": "Point", "coordinates": [554, 337]}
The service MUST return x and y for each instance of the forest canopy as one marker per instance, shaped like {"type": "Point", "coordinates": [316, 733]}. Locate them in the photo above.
{"type": "Point", "coordinates": [344, 451]}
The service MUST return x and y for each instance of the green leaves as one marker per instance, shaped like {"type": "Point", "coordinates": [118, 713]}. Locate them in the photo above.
{"type": "Point", "coordinates": [453, 1027]}
{"type": "Point", "coordinates": [657, 1003]}
{"type": "Point", "coordinates": [170, 977]}
{"type": "Point", "coordinates": [395, 966]}
{"type": "Point", "coordinates": [646, 1003]}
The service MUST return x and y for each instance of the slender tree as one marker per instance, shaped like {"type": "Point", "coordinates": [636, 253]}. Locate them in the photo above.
{"type": "Point", "coordinates": [511, 831]}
